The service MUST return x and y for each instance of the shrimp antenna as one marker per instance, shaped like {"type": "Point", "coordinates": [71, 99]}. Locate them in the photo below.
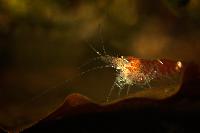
{"type": "Point", "coordinates": [104, 50]}
{"type": "Point", "coordinates": [100, 34]}
{"type": "Point", "coordinates": [64, 83]}
{"type": "Point", "coordinates": [95, 50]}
{"type": "Point", "coordinates": [101, 40]}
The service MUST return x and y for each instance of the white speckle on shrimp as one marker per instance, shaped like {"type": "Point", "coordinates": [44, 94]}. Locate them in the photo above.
{"type": "Point", "coordinates": [160, 61]}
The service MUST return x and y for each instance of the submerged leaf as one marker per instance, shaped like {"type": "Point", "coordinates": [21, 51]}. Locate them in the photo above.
{"type": "Point", "coordinates": [163, 85]}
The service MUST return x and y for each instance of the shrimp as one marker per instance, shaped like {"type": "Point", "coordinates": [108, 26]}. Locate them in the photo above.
{"type": "Point", "coordinates": [131, 71]}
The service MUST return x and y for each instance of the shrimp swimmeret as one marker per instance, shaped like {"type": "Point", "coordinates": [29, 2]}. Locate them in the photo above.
{"type": "Point", "coordinates": [134, 71]}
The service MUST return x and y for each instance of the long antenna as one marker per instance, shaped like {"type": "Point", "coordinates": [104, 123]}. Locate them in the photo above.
{"type": "Point", "coordinates": [64, 83]}
{"type": "Point", "coordinates": [96, 51]}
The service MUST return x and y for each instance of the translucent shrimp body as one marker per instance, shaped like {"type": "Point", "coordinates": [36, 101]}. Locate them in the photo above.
{"type": "Point", "coordinates": [129, 72]}
{"type": "Point", "coordinates": [134, 71]}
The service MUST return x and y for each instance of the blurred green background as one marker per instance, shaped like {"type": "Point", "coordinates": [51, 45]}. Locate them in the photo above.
{"type": "Point", "coordinates": [42, 42]}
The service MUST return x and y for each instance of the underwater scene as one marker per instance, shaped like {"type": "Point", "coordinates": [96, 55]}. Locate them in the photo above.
{"type": "Point", "coordinates": [63, 60]}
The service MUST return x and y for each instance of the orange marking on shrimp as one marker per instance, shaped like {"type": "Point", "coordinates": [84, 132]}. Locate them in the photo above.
{"type": "Point", "coordinates": [135, 64]}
